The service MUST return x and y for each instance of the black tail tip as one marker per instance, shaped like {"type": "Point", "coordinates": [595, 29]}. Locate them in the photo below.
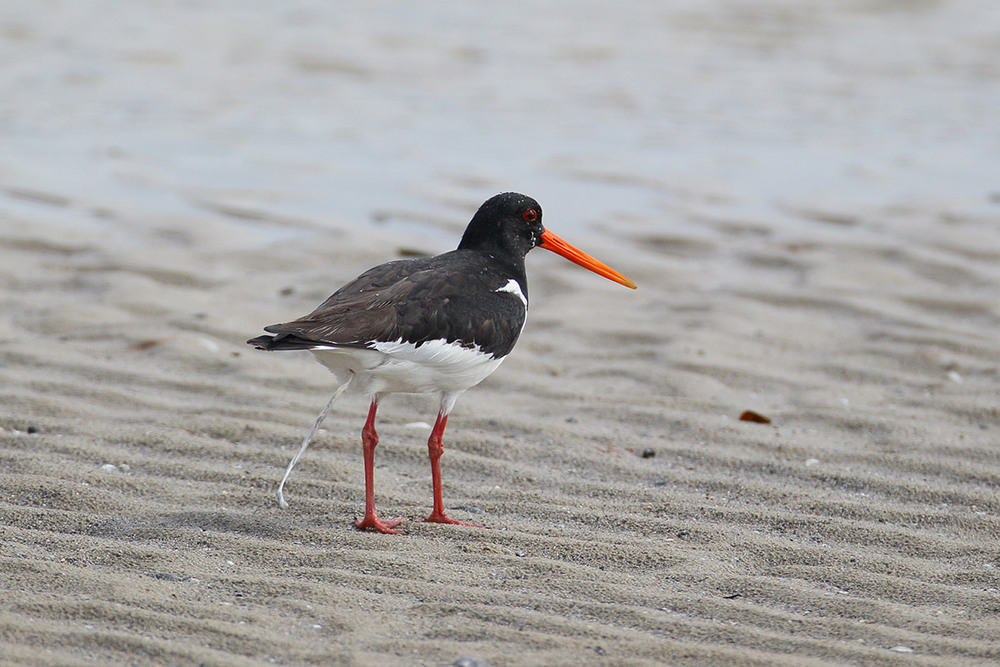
{"type": "Point", "coordinates": [261, 342]}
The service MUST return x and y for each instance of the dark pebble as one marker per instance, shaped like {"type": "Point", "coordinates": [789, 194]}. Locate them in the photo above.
{"type": "Point", "coordinates": [755, 417]}
{"type": "Point", "coordinates": [32, 428]}
{"type": "Point", "coordinates": [167, 576]}
{"type": "Point", "coordinates": [648, 453]}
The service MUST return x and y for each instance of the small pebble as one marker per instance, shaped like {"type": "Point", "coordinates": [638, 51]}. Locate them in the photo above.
{"type": "Point", "coordinates": [648, 453]}
{"type": "Point", "coordinates": [901, 649]}
{"type": "Point", "coordinates": [109, 467]}
{"type": "Point", "coordinates": [520, 554]}
{"type": "Point", "coordinates": [167, 576]}
{"type": "Point", "coordinates": [470, 662]}
{"type": "Point", "coordinates": [32, 428]}
{"type": "Point", "coordinates": [424, 426]}
{"type": "Point", "coordinates": [209, 345]}
{"type": "Point", "coordinates": [755, 417]}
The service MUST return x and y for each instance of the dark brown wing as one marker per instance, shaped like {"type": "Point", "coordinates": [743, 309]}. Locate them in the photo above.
{"type": "Point", "coordinates": [452, 297]}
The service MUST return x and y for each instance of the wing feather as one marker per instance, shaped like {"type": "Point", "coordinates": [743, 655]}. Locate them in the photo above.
{"type": "Point", "coordinates": [414, 301]}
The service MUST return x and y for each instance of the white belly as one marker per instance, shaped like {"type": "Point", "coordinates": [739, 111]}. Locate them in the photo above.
{"type": "Point", "coordinates": [434, 367]}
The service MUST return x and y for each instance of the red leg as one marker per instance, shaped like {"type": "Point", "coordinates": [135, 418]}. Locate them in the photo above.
{"type": "Point", "coordinates": [435, 448]}
{"type": "Point", "coordinates": [369, 439]}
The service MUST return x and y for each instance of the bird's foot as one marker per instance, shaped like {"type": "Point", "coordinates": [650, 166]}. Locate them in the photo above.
{"type": "Point", "coordinates": [372, 522]}
{"type": "Point", "coordinates": [441, 517]}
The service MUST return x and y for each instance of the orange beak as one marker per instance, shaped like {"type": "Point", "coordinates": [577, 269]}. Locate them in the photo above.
{"type": "Point", "coordinates": [552, 242]}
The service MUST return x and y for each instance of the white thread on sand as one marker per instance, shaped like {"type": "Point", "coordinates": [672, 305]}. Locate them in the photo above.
{"type": "Point", "coordinates": [280, 495]}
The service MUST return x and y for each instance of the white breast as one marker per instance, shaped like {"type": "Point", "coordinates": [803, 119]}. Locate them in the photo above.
{"type": "Point", "coordinates": [397, 366]}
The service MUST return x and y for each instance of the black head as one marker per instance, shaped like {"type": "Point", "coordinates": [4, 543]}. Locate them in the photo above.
{"type": "Point", "coordinates": [507, 225]}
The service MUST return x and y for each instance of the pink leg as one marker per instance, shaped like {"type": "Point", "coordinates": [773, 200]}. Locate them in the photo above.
{"type": "Point", "coordinates": [369, 439]}
{"type": "Point", "coordinates": [435, 448]}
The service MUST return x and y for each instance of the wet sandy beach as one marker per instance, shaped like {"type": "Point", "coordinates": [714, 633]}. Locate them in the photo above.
{"type": "Point", "coordinates": [807, 198]}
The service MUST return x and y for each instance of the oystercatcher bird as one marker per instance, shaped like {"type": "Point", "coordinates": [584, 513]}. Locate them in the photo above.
{"type": "Point", "coordinates": [429, 325]}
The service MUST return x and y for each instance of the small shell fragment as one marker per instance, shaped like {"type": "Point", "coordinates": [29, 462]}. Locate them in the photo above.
{"type": "Point", "coordinates": [755, 417]}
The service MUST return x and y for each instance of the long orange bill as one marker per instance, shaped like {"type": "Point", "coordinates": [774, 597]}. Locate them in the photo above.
{"type": "Point", "coordinates": [552, 242]}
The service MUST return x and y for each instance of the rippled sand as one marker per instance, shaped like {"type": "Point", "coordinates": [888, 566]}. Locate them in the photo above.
{"type": "Point", "coordinates": [804, 198]}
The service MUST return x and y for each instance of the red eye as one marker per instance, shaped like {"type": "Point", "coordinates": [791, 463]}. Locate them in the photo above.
{"type": "Point", "coordinates": [530, 215]}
